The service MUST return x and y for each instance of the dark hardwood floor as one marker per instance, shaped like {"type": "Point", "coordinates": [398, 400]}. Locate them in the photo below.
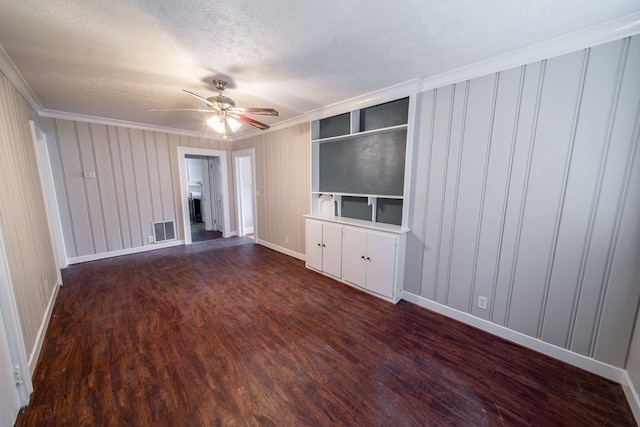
{"type": "Point", "coordinates": [200, 234]}
{"type": "Point", "coordinates": [231, 333]}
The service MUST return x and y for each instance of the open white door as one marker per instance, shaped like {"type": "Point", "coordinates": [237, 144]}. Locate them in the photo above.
{"type": "Point", "coordinates": [10, 401]}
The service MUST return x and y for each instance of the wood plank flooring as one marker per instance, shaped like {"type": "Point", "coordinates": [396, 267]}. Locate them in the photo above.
{"type": "Point", "coordinates": [228, 333]}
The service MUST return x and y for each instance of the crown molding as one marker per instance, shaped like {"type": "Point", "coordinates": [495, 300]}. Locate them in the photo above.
{"type": "Point", "coordinates": [123, 123]}
{"type": "Point", "coordinates": [616, 29]}
{"type": "Point", "coordinates": [298, 120]}
{"type": "Point", "coordinates": [376, 97]}
{"type": "Point", "coordinates": [9, 69]}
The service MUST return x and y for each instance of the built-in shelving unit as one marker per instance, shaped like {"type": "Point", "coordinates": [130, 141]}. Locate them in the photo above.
{"type": "Point", "coordinates": [360, 167]}
{"type": "Point", "coordinates": [359, 161]}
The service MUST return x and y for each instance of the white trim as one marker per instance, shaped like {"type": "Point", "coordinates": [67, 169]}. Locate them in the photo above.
{"type": "Point", "coordinates": [595, 366]}
{"type": "Point", "coordinates": [15, 338]}
{"type": "Point", "coordinates": [235, 155]}
{"type": "Point", "coordinates": [35, 353]}
{"type": "Point", "coordinates": [376, 97]}
{"type": "Point", "coordinates": [111, 254]}
{"type": "Point", "coordinates": [51, 201]}
{"type": "Point", "coordinates": [298, 120]}
{"type": "Point", "coordinates": [617, 29]}
{"type": "Point", "coordinates": [184, 197]}
{"type": "Point", "coordinates": [280, 249]}
{"type": "Point", "coordinates": [124, 123]}
{"type": "Point", "coordinates": [632, 395]}
{"type": "Point", "coordinates": [9, 69]}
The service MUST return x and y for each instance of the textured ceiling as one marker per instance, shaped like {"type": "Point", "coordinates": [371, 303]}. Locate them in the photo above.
{"type": "Point", "coordinates": [116, 59]}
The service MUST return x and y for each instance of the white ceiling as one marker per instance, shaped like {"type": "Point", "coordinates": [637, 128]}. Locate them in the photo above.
{"type": "Point", "coordinates": [116, 59]}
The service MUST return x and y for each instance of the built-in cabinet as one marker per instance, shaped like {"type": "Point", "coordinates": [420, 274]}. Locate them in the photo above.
{"type": "Point", "coordinates": [324, 247]}
{"type": "Point", "coordinates": [369, 259]}
{"type": "Point", "coordinates": [360, 171]}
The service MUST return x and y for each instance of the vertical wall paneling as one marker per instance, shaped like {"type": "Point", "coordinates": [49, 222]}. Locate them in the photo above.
{"type": "Point", "coordinates": [74, 192]}
{"type": "Point", "coordinates": [282, 185]}
{"type": "Point", "coordinates": [498, 176]}
{"type": "Point", "coordinates": [91, 187]}
{"type": "Point", "coordinates": [131, 189]}
{"type": "Point", "coordinates": [585, 169]}
{"type": "Point", "coordinates": [523, 143]}
{"type": "Point", "coordinates": [155, 191]}
{"type": "Point", "coordinates": [532, 199]}
{"type": "Point", "coordinates": [621, 291]}
{"type": "Point", "coordinates": [623, 101]}
{"type": "Point", "coordinates": [552, 138]}
{"type": "Point", "coordinates": [471, 178]}
{"type": "Point", "coordinates": [135, 183]}
{"type": "Point", "coordinates": [105, 181]}
{"type": "Point", "coordinates": [23, 223]}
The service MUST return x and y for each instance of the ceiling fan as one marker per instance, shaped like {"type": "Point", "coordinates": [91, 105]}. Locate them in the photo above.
{"type": "Point", "coordinates": [226, 115]}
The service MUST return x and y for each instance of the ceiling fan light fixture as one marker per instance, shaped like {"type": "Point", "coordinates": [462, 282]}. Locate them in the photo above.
{"type": "Point", "coordinates": [233, 124]}
{"type": "Point", "coordinates": [216, 123]}
{"type": "Point", "coordinates": [220, 124]}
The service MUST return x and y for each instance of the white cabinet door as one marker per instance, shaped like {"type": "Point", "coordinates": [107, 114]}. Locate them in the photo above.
{"type": "Point", "coordinates": [381, 262]}
{"type": "Point", "coordinates": [313, 244]}
{"type": "Point", "coordinates": [354, 256]}
{"type": "Point", "coordinates": [332, 249]}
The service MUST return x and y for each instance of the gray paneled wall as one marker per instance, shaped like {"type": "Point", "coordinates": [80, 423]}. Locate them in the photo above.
{"type": "Point", "coordinates": [527, 192]}
{"type": "Point", "coordinates": [282, 184]}
{"type": "Point", "coordinates": [23, 220]}
{"type": "Point", "coordinates": [136, 183]}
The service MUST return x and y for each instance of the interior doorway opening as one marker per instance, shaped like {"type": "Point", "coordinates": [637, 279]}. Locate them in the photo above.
{"type": "Point", "coordinates": [244, 174]}
{"type": "Point", "coordinates": [205, 193]}
{"type": "Point", "coordinates": [205, 197]}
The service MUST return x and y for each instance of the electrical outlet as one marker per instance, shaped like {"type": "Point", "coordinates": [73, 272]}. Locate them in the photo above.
{"type": "Point", "coordinates": [150, 239]}
{"type": "Point", "coordinates": [482, 302]}
{"type": "Point", "coordinates": [286, 240]}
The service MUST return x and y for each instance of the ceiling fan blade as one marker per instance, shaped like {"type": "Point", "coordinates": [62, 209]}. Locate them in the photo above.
{"type": "Point", "coordinates": [249, 121]}
{"type": "Point", "coordinates": [257, 111]}
{"type": "Point", "coordinates": [210, 104]}
{"type": "Point", "coordinates": [180, 109]}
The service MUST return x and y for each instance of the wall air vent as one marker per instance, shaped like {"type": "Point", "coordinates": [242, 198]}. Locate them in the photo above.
{"type": "Point", "coordinates": [163, 231]}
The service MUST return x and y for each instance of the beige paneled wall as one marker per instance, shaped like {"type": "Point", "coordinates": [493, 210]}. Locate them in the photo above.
{"type": "Point", "coordinates": [282, 182]}
{"type": "Point", "coordinates": [23, 219]}
{"type": "Point", "coordinates": [137, 183]}
{"type": "Point", "coordinates": [527, 192]}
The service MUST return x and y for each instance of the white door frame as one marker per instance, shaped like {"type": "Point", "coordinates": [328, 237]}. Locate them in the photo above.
{"type": "Point", "coordinates": [251, 153]}
{"type": "Point", "coordinates": [186, 223]}
{"type": "Point", "coordinates": [49, 193]}
{"type": "Point", "coordinates": [15, 338]}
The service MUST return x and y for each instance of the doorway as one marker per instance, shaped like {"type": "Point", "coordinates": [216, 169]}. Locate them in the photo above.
{"type": "Point", "coordinates": [205, 197]}
{"type": "Point", "coordinates": [244, 174]}
{"type": "Point", "coordinates": [204, 192]}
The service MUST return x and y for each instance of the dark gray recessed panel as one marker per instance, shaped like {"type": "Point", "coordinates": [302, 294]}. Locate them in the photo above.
{"type": "Point", "coordinates": [369, 164]}
{"type": "Point", "coordinates": [356, 207]}
{"type": "Point", "coordinates": [392, 113]}
{"type": "Point", "coordinates": [389, 211]}
{"type": "Point", "coordinates": [335, 126]}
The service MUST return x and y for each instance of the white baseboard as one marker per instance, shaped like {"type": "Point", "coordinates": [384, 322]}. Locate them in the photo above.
{"type": "Point", "coordinates": [599, 368]}
{"type": "Point", "coordinates": [35, 353]}
{"type": "Point", "coordinates": [111, 254]}
{"type": "Point", "coordinates": [632, 395]}
{"type": "Point", "coordinates": [281, 249]}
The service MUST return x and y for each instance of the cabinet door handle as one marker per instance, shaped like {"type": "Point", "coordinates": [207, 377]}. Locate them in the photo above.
{"type": "Point", "coordinates": [362, 256]}
{"type": "Point", "coordinates": [324, 246]}
{"type": "Point", "coordinates": [318, 244]}
{"type": "Point", "coordinates": [368, 259]}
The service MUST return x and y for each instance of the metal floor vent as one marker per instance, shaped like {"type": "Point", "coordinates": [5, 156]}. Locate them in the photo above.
{"type": "Point", "coordinates": [163, 231]}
